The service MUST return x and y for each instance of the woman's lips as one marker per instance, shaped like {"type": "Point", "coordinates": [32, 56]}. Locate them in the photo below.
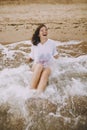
{"type": "Point", "coordinates": [44, 34]}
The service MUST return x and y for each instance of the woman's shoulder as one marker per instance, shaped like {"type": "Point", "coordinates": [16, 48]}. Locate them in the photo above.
{"type": "Point", "coordinates": [52, 42]}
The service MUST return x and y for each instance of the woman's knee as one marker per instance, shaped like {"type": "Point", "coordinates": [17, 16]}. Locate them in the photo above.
{"type": "Point", "coordinates": [39, 67]}
{"type": "Point", "coordinates": [46, 73]}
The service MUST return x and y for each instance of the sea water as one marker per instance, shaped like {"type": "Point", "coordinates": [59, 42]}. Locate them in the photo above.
{"type": "Point", "coordinates": [68, 79]}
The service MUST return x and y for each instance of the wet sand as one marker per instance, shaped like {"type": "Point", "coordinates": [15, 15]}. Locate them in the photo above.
{"type": "Point", "coordinates": [64, 21]}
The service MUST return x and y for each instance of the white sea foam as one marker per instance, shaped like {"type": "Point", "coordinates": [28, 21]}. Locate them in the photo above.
{"type": "Point", "coordinates": [68, 79]}
{"type": "Point", "coordinates": [17, 43]}
{"type": "Point", "coordinates": [14, 82]}
{"type": "Point", "coordinates": [72, 42]}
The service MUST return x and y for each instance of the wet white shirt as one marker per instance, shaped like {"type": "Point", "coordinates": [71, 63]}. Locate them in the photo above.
{"type": "Point", "coordinates": [44, 53]}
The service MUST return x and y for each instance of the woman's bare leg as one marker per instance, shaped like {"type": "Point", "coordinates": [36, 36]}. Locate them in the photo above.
{"type": "Point", "coordinates": [44, 79]}
{"type": "Point", "coordinates": [37, 70]}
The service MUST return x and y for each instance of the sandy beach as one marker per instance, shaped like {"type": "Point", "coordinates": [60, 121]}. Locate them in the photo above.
{"type": "Point", "coordinates": [64, 21]}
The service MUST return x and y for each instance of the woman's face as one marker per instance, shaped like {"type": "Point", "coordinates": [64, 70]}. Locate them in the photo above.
{"type": "Point", "coordinates": [43, 32]}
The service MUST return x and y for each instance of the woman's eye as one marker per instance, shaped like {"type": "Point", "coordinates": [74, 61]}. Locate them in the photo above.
{"type": "Point", "coordinates": [41, 30]}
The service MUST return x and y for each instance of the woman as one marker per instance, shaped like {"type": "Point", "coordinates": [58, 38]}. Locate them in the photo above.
{"type": "Point", "coordinates": [43, 52]}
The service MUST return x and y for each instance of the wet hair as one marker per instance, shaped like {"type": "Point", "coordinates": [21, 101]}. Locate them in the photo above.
{"type": "Point", "coordinates": [35, 38]}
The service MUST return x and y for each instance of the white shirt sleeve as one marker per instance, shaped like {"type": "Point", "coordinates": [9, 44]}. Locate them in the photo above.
{"type": "Point", "coordinates": [55, 52]}
{"type": "Point", "coordinates": [31, 55]}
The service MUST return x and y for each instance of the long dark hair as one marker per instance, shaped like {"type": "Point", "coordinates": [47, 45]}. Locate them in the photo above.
{"type": "Point", "coordinates": [35, 38]}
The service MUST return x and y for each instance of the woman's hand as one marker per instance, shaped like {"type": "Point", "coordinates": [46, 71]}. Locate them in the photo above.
{"type": "Point", "coordinates": [56, 56]}
{"type": "Point", "coordinates": [28, 60]}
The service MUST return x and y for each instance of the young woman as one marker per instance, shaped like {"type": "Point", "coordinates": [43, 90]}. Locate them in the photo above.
{"type": "Point", "coordinates": [43, 52]}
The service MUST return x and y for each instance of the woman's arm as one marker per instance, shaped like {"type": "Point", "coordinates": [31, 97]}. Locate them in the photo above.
{"type": "Point", "coordinates": [31, 55]}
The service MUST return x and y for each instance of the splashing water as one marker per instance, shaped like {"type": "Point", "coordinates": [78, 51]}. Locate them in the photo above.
{"type": "Point", "coordinates": [68, 80]}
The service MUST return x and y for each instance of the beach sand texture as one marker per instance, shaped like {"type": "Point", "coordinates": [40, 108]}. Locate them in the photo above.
{"type": "Point", "coordinates": [41, 1]}
{"type": "Point", "coordinates": [64, 21]}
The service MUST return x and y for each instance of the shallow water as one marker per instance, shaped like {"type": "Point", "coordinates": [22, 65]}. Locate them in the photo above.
{"type": "Point", "coordinates": [69, 78]}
